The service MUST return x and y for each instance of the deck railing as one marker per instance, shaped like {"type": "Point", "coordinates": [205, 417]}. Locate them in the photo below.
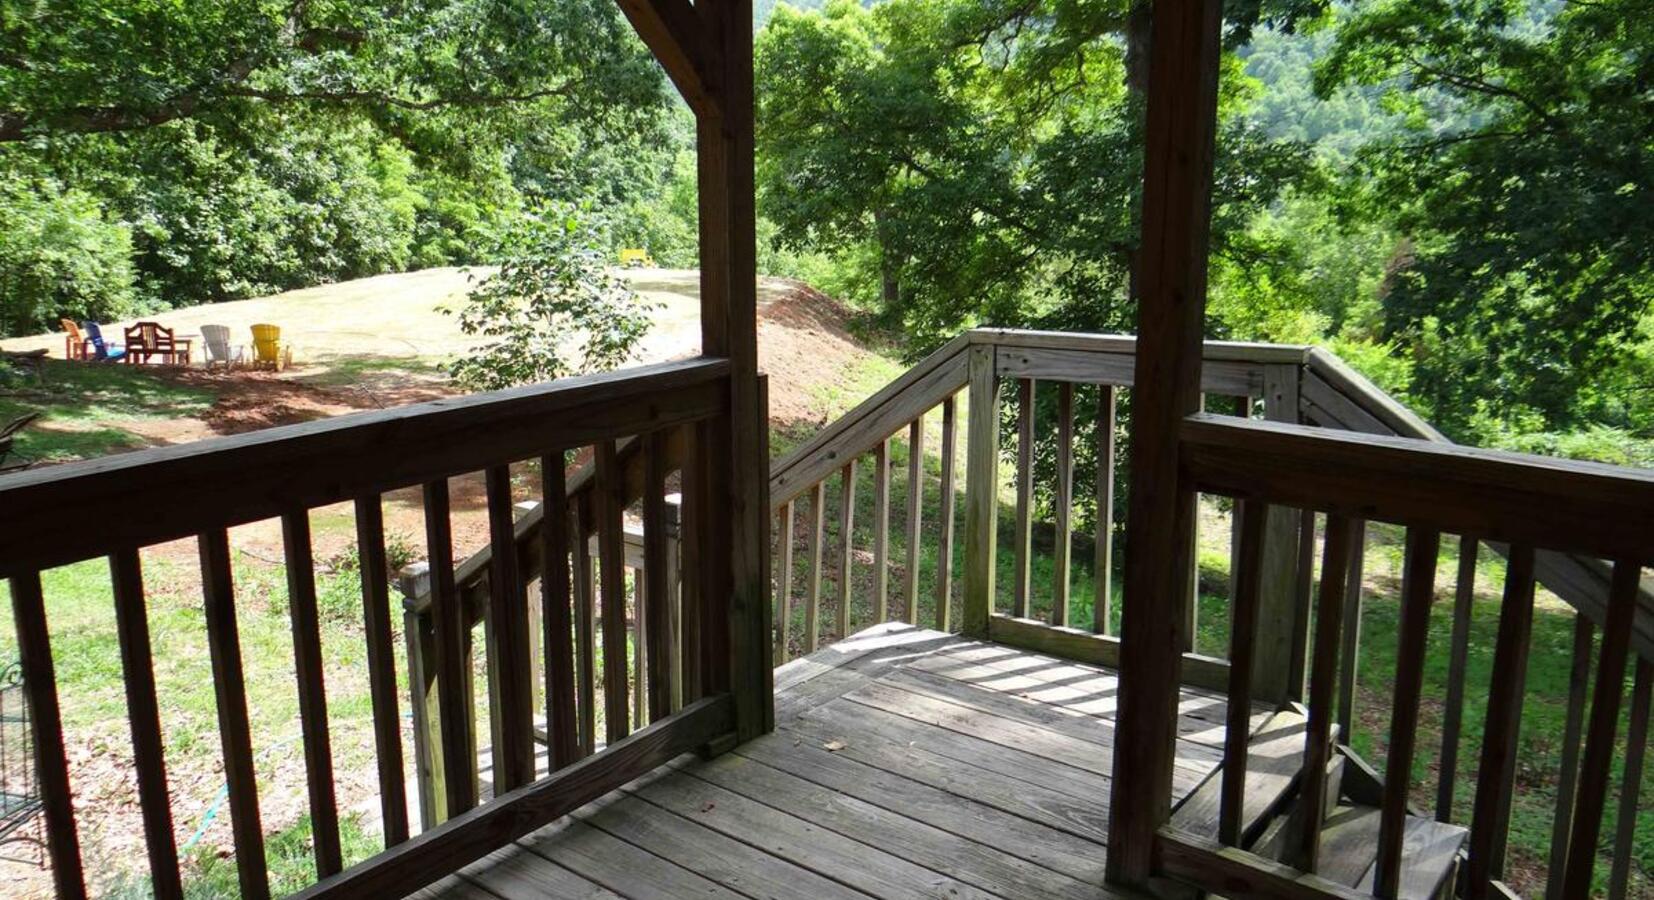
{"type": "Point", "coordinates": [113, 507]}
{"type": "Point", "coordinates": [1518, 504]}
{"type": "Point", "coordinates": [1270, 598]}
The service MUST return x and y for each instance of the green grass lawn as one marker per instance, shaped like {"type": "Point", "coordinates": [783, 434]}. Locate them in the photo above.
{"type": "Point", "coordinates": [88, 409]}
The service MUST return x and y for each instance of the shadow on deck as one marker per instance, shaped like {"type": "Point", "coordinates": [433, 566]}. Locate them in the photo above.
{"type": "Point", "coordinates": [906, 763]}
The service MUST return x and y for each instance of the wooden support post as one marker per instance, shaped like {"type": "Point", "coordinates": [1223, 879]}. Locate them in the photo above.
{"type": "Point", "coordinates": [1278, 608]}
{"type": "Point", "coordinates": [1171, 281]}
{"type": "Point", "coordinates": [736, 547]}
{"type": "Point", "coordinates": [981, 492]}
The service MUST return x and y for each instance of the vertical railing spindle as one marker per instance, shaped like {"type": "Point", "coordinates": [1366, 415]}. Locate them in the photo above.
{"type": "Point", "coordinates": [1490, 819]}
{"type": "Point", "coordinates": [1323, 676]}
{"type": "Point", "coordinates": [143, 714]}
{"type": "Point", "coordinates": [234, 731]}
{"type": "Point", "coordinates": [611, 491]}
{"type": "Point", "coordinates": [1418, 589]}
{"type": "Point", "coordinates": [944, 536]}
{"type": "Point", "coordinates": [657, 602]}
{"type": "Point", "coordinates": [1596, 764]}
{"type": "Point", "coordinates": [847, 537]}
{"type": "Point", "coordinates": [1062, 503]}
{"type": "Point", "coordinates": [381, 661]}
{"type": "Point", "coordinates": [1102, 608]}
{"type": "Point", "coordinates": [453, 640]}
{"type": "Point", "coordinates": [556, 595]}
{"type": "Point", "coordinates": [1349, 650]}
{"type": "Point", "coordinates": [585, 626]}
{"type": "Point", "coordinates": [915, 515]}
{"type": "Point", "coordinates": [881, 531]}
{"type": "Point", "coordinates": [783, 580]}
{"type": "Point", "coordinates": [46, 722]}
{"type": "Point", "coordinates": [812, 585]}
{"type": "Point", "coordinates": [1464, 598]}
{"type": "Point", "coordinates": [1579, 676]}
{"type": "Point", "coordinates": [1022, 559]}
{"type": "Point", "coordinates": [508, 657]}
{"type": "Point", "coordinates": [1243, 612]}
{"type": "Point", "coordinates": [1636, 747]}
{"type": "Point", "coordinates": [307, 667]}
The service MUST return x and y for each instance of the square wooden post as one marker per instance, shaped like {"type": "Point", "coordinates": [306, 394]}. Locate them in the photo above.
{"type": "Point", "coordinates": [1171, 281]}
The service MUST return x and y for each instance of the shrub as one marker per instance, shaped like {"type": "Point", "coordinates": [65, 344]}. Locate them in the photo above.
{"type": "Point", "coordinates": [60, 257]}
{"type": "Point", "coordinates": [554, 308]}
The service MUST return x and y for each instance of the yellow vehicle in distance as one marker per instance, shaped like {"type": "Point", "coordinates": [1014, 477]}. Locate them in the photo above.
{"type": "Point", "coordinates": [636, 258]}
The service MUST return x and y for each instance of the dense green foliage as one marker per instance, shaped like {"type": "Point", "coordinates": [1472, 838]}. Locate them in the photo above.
{"type": "Point", "coordinates": [554, 290]}
{"type": "Point", "coordinates": [1452, 194]}
{"type": "Point", "coordinates": [174, 154]}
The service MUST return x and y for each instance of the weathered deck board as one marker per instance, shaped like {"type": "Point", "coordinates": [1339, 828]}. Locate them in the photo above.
{"type": "Point", "coordinates": [906, 763]}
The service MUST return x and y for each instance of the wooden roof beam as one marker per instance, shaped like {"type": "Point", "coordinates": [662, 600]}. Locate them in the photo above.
{"type": "Point", "coordinates": [686, 48]}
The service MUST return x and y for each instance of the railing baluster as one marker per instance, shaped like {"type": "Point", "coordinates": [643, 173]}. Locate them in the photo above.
{"type": "Point", "coordinates": [657, 599]}
{"type": "Point", "coordinates": [1349, 650]}
{"type": "Point", "coordinates": [508, 658]}
{"type": "Point", "coordinates": [812, 586]}
{"type": "Point", "coordinates": [847, 537]}
{"type": "Point", "coordinates": [915, 514]}
{"type": "Point", "coordinates": [640, 650]}
{"type": "Point", "coordinates": [1490, 819]}
{"type": "Point", "coordinates": [562, 732]}
{"type": "Point", "coordinates": [1102, 608]}
{"type": "Point", "coordinates": [1191, 596]}
{"type": "Point", "coordinates": [1636, 747]}
{"type": "Point", "coordinates": [1303, 587]}
{"type": "Point", "coordinates": [944, 537]}
{"type": "Point", "coordinates": [307, 665]}
{"type": "Point", "coordinates": [693, 521]}
{"type": "Point", "coordinates": [1335, 560]}
{"type": "Point", "coordinates": [1573, 729]}
{"type": "Point", "coordinates": [1243, 409]}
{"type": "Point", "coordinates": [1022, 561]}
{"type": "Point", "coordinates": [1063, 505]}
{"type": "Point", "coordinates": [612, 593]}
{"type": "Point", "coordinates": [235, 735]}
{"type": "Point", "coordinates": [46, 723]}
{"type": "Point", "coordinates": [1464, 598]}
{"type": "Point", "coordinates": [585, 637]}
{"type": "Point", "coordinates": [1595, 766]}
{"type": "Point", "coordinates": [143, 714]}
{"type": "Point", "coordinates": [381, 661]}
{"type": "Point", "coordinates": [881, 531]}
{"type": "Point", "coordinates": [783, 580]}
{"type": "Point", "coordinates": [1418, 591]}
{"type": "Point", "coordinates": [453, 639]}
{"type": "Point", "coordinates": [1243, 613]}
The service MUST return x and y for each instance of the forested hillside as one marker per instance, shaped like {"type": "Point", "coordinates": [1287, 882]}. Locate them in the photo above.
{"type": "Point", "coordinates": [1453, 195]}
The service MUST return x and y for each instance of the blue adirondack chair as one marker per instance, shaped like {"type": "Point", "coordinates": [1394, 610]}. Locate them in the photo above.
{"type": "Point", "coordinates": [101, 350]}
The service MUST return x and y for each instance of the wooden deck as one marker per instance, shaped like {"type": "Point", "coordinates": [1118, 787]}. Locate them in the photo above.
{"type": "Point", "coordinates": [906, 763]}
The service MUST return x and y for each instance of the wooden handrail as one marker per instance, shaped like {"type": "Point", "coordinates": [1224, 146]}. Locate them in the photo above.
{"type": "Point", "coordinates": [175, 492]}
{"type": "Point", "coordinates": [1581, 507]}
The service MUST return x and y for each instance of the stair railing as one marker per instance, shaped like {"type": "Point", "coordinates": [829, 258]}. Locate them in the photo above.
{"type": "Point", "coordinates": [1525, 504]}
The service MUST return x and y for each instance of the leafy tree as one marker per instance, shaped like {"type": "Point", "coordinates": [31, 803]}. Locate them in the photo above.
{"type": "Point", "coordinates": [983, 159]}
{"type": "Point", "coordinates": [553, 309]}
{"type": "Point", "coordinates": [1530, 271]}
